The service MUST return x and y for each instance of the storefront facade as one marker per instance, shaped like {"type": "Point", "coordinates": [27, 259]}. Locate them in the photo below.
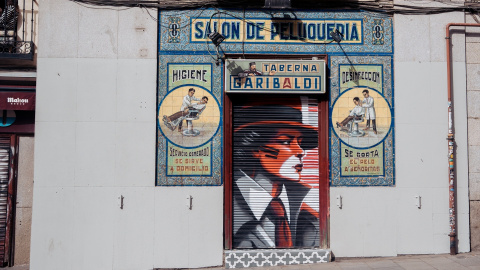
{"type": "Point", "coordinates": [324, 75]}
{"type": "Point", "coordinates": [17, 125]}
{"type": "Point", "coordinates": [300, 135]}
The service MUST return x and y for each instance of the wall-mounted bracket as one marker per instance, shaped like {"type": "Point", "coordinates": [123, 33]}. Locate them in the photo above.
{"type": "Point", "coordinates": [418, 201]}
{"type": "Point", "coordinates": [339, 201]}
{"type": "Point", "coordinates": [189, 202]}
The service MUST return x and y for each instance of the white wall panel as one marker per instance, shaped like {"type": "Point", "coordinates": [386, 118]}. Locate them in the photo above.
{"type": "Point", "coordinates": [93, 228]}
{"type": "Point", "coordinates": [136, 90]}
{"type": "Point", "coordinates": [96, 89]}
{"type": "Point", "coordinates": [440, 241]}
{"type": "Point", "coordinates": [52, 245]}
{"type": "Point", "coordinates": [440, 204]}
{"type": "Point", "coordinates": [462, 151]}
{"type": "Point", "coordinates": [366, 223]}
{"type": "Point", "coordinates": [415, 226]}
{"type": "Point", "coordinates": [407, 30]}
{"type": "Point", "coordinates": [417, 159]}
{"type": "Point", "coordinates": [54, 155]}
{"type": "Point", "coordinates": [206, 227]}
{"type": "Point", "coordinates": [419, 86]}
{"type": "Point", "coordinates": [58, 79]}
{"type": "Point", "coordinates": [347, 225]}
{"type": "Point", "coordinates": [421, 149]}
{"type": "Point", "coordinates": [137, 33]}
{"type": "Point", "coordinates": [188, 238]}
{"type": "Point", "coordinates": [413, 93]}
{"type": "Point", "coordinates": [440, 222]}
{"type": "Point", "coordinates": [437, 34]}
{"type": "Point", "coordinates": [381, 221]}
{"type": "Point", "coordinates": [58, 39]}
{"type": "Point", "coordinates": [134, 229]}
{"type": "Point", "coordinates": [95, 154]}
{"type": "Point", "coordinates": [98, 32]}
{"type": "Point", "coordinates": [171, 227]}
{"type": "Point", "coordinates": [134, 154]}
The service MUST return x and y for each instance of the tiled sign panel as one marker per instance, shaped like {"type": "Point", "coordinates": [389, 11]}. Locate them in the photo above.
{"type": "Point", "coordinates": [359, 83]}
{"type": "Point", "coordinates": [274, 76]}
{"type": "Point", "coordinates": [278, 32]}
{"type": "Point", "coordinates": [189, 142]}
{"type": "Point", "coordinates": [362, 122]}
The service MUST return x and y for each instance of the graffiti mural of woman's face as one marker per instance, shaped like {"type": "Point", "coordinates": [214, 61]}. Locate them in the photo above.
{"type": "Point", "coordinates": [282, 155]}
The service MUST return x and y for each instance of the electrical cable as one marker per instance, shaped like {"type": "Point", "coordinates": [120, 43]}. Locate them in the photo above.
{"type": "Point", "coordinates": [374, 6]}
{"type": "Point", "coordinates": [387, 7]}
{"type": "Point", "coordinates": [206, 39]}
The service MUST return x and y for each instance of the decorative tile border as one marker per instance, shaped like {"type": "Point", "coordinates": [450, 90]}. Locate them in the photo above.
{"type": "Point", "coordinates": [275, 257]}
{"type": "Point", "coordinates": [177, 28]}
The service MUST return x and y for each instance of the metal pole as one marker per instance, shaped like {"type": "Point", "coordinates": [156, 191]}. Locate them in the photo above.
{"type": "Point", "coordinates": [451, 143]}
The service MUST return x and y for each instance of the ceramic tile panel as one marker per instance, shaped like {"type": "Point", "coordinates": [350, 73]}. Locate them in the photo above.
{"type": "Point", "coordinates": [188, 59]}
{"type": "Point", "coordinates": [362, 121]}
{"type": "Point", "coordinates": [189, 130]}
{"type": "Point", "coordinates": [264, 258]}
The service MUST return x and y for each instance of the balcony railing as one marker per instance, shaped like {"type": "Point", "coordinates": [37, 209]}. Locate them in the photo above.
{"type": "Point", "coordinates": [17, 29]}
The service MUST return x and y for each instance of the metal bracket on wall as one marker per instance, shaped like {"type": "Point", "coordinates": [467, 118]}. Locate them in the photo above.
{"type": "Point", "coordinates": [121, 201]}
{"type": "Point", "coordinates": [189, 202]}
{"type": "Point", "coordinates": [418, 201]}
{"type": "Point", "coordinates": [339, 201]}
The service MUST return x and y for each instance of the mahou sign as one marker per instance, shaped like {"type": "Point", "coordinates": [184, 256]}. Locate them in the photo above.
{"type": "Point", "coordinates": [20, 101]}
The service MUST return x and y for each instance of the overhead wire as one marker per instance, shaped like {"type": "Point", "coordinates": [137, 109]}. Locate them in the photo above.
{"type": "Point", "coordinates": [388, 7]}
{"type": "Point", "coordinates": [382, 7]}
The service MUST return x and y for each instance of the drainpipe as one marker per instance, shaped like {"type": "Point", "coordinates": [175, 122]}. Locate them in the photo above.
{"type": "Point", "coordinates": [451, 142]}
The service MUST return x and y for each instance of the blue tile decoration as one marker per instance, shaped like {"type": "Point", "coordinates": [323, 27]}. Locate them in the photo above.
{"type": "Point", "coordinates": [378, 32]}
{"type": "Point", "coordinates": [275, 257]}
{"type": "Point", "coordinates": [174, 30]}
{"type": "Point", "coordinates": [181, 41]}
{"type": "Point", "coordinates": [387, 178]}
{"type": "Point", "coordinates": [216, 141]}
{"type": "Point", "coordinates": [369, 20]}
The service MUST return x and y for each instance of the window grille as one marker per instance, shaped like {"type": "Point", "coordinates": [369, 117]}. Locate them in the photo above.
{"type": "Point", "coordinates": [17, 28]}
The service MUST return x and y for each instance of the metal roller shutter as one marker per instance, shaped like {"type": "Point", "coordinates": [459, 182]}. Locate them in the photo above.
{"type": "Point", "coordinates": [4, 180]}
{"type": "Point", "coordinates": [275, 173]}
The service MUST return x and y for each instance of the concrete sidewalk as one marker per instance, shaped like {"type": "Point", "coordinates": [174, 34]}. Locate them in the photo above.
{"type": "Point", "coordinates": [441, 261]}
{"type": "Point", "coordinates": [413, 262]}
